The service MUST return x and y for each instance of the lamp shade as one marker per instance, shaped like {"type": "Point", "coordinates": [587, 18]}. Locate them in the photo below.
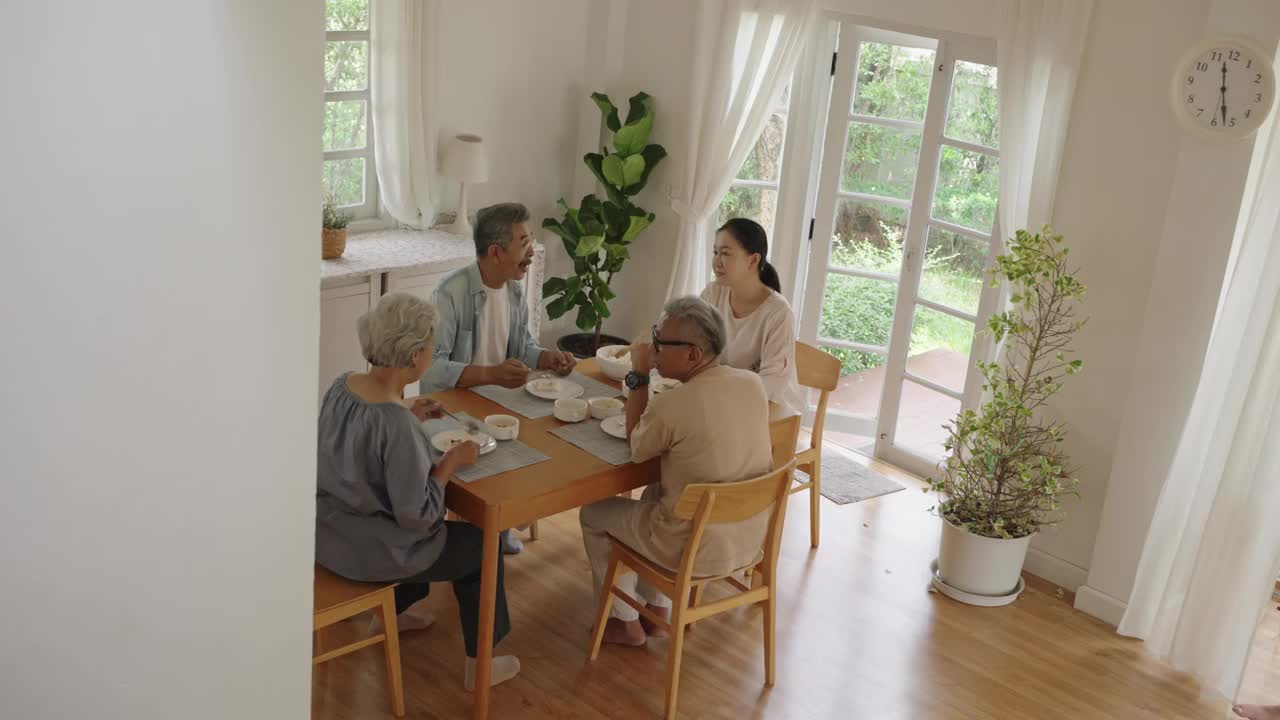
{"type": "Point", "coordinates": [465, 159]}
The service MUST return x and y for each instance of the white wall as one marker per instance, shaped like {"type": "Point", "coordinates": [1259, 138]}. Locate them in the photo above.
{"type": "Point", "coordinates": [1112, 197]}
{"type": "Point", "coordinates": [512, 72]}
{"type": "Point", "coordinates": [1196, 234]}
{"type": "Point", "coordinates": [657, 57]}
{"type": "Point", "coordinates": [158, 381]}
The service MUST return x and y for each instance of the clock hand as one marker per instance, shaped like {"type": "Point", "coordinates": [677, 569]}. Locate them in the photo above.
{"type": "Point", "coordinates": [1223, 93]}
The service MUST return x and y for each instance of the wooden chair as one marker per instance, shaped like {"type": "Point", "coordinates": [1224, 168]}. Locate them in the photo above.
{"type": "Point", "coordinates": [712, 503]}
{"type": "Point", "coordinates": [821, 371]}
{"type": "Point", "coordinates": [337, 599]}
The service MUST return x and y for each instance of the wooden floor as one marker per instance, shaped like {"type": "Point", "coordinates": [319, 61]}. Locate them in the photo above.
{"type": "Point", "coordinates": [860, 636]}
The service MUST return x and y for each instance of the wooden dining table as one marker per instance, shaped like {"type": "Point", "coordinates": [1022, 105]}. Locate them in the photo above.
{"type": "Point", "coordinates": [570, 479]}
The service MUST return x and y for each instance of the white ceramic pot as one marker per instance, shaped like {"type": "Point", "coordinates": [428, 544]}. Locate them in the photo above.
{"type": "Point", "coordinates": [503, 427]}
{"type": "Point", "coordinates": [613, 367]}
{"type": "Point", "coordinates": [980, 565]}
{"type": "Point", "coordinates": [570, 410]}
{"type": "Point", "coordinates": [605, 407]}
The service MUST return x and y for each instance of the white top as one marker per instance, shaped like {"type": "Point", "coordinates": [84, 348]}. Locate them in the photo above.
{"type": "Point", "coordinates": [493, 329]}
{"type": "Point", "coordinates": [763, 342]}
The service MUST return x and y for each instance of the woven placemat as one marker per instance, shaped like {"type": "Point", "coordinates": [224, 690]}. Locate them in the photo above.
{"type": "Point", "coordinates": [588, 436]}
{"type": "Point", "coordinates": [508, 455]}
{"type": "Point", "coordinates": [519, 401]}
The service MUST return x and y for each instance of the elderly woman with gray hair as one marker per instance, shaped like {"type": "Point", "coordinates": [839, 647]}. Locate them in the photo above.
{"type": "Point", "coordinates": [713, 428]}
{"type": "Point", "coordinates": [379, 497]}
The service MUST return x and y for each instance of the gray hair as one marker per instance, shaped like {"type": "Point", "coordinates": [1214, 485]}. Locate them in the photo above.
{"type": "Point", "coordinates": [703, 319]}
{"type": "Point", "coordinates": [400, 325]}
{"type": "Point", "coordinates": [493, 225]}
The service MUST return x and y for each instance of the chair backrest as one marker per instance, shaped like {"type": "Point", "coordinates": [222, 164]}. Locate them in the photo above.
{"type": "Point", "coordinates": [733, 502]}
{"type": "Point", "coordinates": [821, 371]}
{"type": "Point", "coordinates": [815, 368]}
{"type": "Point", "coordinates": [782, 439]}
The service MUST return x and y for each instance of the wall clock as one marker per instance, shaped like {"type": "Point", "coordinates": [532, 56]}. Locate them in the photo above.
{"type": "Point", "coordinates": [1223, 88]}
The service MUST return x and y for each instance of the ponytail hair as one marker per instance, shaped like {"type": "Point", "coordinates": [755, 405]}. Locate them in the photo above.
{"type": "Point", "coordinates": [755, 241]}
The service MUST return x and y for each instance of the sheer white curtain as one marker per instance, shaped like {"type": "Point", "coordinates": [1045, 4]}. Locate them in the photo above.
{"type": "Point", "coordinates": [402, 64]}
{"type": "Point", "coordinates": [1210, 559]}
{"type": "Point", "coordinates": [744, 55]}
{"type": "Point", "coordinates": [1038, 54]}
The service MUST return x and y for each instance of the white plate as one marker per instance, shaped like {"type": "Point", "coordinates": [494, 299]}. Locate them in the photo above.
{"type": "Point", "coordinates": [973, 598]}
{"type": "Point", "coordinates": [553, 388]}
{"type": "Point", "coordinates": [446, 439]}
{"type": "Point", "coordinates": [615, 426]}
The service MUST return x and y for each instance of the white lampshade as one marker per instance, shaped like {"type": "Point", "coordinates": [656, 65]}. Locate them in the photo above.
{"type": "Point", "coordinates": [465, 159]}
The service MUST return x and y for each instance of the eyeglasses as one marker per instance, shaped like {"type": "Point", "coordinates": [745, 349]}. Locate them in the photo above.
{"type": "Point", "coordinates": [658, 342]}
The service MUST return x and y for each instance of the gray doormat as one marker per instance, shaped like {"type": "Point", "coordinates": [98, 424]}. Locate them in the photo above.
{"type": "Point", "coordinates": [845, 480]}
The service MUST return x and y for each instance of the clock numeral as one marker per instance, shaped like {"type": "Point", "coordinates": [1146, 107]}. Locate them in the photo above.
{"type": "Point", "coordinates": [1199, 112]}
{"type": "Point", "coordinates": [1191, 79]}
{"type": "Point", "coordinates": [1258, 80]}
{"type": "Point", "coordinates": [1232, 123]}
{"type": "Point", "coordinates": [1217, 56]}
{"type": "Point", "coordinates": [1248, 112]}
{"type": "Point", "coordinates": [1249, 64]}
{"type": "Point", "coordinates": [1257, 98]}
{"type": "Point", "coordinates": [1214, 121]}
{"type": "Point", "coordinates": [1191, 99]}
{"type": "Point", "coordinates": [1202, 66]}
{"type": "Point", "coordinates": [1234, 55]}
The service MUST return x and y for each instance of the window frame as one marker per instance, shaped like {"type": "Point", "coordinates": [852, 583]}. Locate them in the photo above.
{"type": "Point", "coordinates": [368, 210]}
{"type": "Point", "coordinates": [779, 109]}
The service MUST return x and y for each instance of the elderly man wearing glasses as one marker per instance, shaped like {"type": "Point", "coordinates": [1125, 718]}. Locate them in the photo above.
{"type": "Point", "coordinates": [714, 427]}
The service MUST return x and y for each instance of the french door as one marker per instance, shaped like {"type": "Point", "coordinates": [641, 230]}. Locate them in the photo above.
{"type": "Point", "coordinates": [903, 229]}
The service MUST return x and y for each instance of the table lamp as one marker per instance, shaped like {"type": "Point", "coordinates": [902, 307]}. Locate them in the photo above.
{"type": "Point", "coordinates": [466, 162]}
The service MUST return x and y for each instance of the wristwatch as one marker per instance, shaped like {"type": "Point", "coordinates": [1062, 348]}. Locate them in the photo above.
{"type": "Point", "coordinates": [635, 380]}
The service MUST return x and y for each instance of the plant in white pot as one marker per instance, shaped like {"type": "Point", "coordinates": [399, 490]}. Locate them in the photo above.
{"type": "Point", "coordinates": [1006, 474]}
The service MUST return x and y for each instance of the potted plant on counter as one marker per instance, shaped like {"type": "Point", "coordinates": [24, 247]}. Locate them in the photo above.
{"type": "Point", "coordinates": [598, 234]}
{"type": "Point", "coordinates": [333, 235]}
{"type": "Point", "coordinates": [1006, 474]}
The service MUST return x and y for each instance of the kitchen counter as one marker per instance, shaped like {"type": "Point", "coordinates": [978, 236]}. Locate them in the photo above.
{"type": "Point", "coordinates": [397, 250]}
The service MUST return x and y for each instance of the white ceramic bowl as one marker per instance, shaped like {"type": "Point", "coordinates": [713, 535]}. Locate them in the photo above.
{"type": "Point", "coordinates": [611, 365]}
{"type": "Point", "coordinates": [605, 407]}
{"type": "Point", "coordinates": [571, 410]}
{"type": "Point", "coordinates": [503, 427]}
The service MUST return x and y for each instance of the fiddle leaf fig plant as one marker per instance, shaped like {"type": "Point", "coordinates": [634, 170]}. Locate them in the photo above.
{"type": "Point", "coordinates": [1006, 473]}
{"type": "Point", "coordinates": [598, 234]}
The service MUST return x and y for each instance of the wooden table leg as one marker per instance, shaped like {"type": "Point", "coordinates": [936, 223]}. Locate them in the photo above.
{"type": "Point", "coordinates": [488, 599]}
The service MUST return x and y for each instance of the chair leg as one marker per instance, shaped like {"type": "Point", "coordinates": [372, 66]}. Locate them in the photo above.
{"type": "Point", "coordinates": [395, 683]}
{"type": "Point", "coordinates": [533, 530]}
{"type": "Point", "coordinates": [695, 598]}
{"type": "Point", "coordinates": [770, 637]}
{"type": "Point", "coordinates": [606, 601]}
{"type": "Point", "coordinates": [675, 649]}
{"type": "Point", "coordinates": [815, 508]}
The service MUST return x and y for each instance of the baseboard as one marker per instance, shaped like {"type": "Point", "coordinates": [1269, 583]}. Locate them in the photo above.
{"type": "Point", "coordinates": [1057, 571]}
{"type": "Point", "coordinates": [1100, 605]}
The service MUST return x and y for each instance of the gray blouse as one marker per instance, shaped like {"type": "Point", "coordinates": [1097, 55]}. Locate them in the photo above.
{"type": "Point", "coordinates": [378, 516]}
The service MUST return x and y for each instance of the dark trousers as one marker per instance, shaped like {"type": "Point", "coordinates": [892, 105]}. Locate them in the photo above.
{"type": "Point", "coordinates": [459, 563]}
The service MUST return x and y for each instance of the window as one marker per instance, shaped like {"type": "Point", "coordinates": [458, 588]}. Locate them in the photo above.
{"type": "Point", "coordinates": [348, 123]}
{"type": "Point", "coordinates": [754, 194]}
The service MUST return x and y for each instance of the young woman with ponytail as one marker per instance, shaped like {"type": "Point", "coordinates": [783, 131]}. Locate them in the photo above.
{"type": "Point", "coordinates": [761, 327]}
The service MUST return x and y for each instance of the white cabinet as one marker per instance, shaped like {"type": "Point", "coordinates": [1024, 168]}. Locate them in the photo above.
{"type": "Point", "coordinates": [340, 308]}
{"type": "Point", "coordinates": [423, 285]}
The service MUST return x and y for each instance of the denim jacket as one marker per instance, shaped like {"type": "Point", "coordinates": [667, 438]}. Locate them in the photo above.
{"type": "Point", "coordinates": [459, 300]}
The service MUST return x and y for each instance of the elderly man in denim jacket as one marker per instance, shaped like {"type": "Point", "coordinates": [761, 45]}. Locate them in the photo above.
{"type": "Point", "coordinates": [483, 336]}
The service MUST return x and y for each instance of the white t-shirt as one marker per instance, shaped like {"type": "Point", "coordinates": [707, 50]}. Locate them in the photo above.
{"type": "Point", "coordinates": [494, 328]}
{"type": "Point", "coordinates": [763, 342]}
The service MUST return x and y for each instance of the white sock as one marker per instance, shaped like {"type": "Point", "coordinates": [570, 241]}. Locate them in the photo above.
{"type": "Point", "coordinates": [504, 668]}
